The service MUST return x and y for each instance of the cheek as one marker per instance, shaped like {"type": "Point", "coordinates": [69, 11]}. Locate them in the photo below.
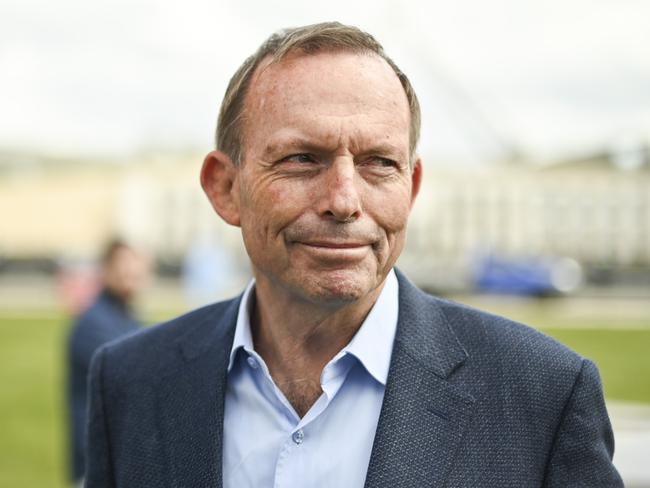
{"type": "Point", "coordinates": [269, 207]}
{"type": "Point", "coordinates": [391, 212]}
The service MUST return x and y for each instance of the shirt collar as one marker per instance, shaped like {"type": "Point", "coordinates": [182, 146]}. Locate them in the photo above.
{"type": "Point", "coordinates": [243, 337]}
{"type": "Point", "coordinates": [372, 345]}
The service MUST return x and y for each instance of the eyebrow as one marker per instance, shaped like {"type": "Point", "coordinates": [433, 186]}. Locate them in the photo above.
{"type": "Point", "coordinates": [282, 144]}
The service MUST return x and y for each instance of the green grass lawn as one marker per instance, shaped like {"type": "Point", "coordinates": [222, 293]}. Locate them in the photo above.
{"type": "Point", "coordinates": [623, 357]}
{"type": "Point", "coordinates": [32, 444]}
{"type": "Point", "coordinates": [32, 440]}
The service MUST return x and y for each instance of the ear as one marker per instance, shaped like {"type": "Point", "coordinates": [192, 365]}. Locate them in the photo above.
{"type": "Point", "coordinates": [416, 180]}
{"type": "Point", "coordinates": [219, 179]}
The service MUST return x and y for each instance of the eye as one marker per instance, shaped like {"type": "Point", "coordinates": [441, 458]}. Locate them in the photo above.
{"type": "Point", "coordinates": [380, 162]}
{"type": "Point", "coordinates": [301, 158]}
{"type": "Point", "coordinates": [385, 162]}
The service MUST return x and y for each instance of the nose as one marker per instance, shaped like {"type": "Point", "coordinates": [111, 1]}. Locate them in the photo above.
{"type": "Point", "coordinates": [341, 200]}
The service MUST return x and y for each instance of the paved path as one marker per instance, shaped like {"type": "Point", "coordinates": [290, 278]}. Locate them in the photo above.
{"type": "Point", "coordinates": [632, 433]}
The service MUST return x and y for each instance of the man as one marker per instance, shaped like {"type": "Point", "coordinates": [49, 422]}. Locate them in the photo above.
{"type": "Point", "coordinates": [109, 317]}
{"type": "Point", "coordinates": [332, 369]}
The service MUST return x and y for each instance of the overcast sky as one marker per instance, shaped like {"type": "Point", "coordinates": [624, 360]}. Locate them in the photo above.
{"type": "Point", "coordinates": [550, 77]}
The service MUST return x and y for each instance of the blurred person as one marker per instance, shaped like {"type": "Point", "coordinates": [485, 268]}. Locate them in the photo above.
{"type": "Point", "coordinates": [332, 369]}
{"type": "Point", "coordinates": [110, 316]}
{"type": "Point", "coordinates": [77, 285]}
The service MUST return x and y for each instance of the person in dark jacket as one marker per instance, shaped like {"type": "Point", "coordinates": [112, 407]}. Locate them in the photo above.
{"type": "Point", "coordinates": [109, 317]}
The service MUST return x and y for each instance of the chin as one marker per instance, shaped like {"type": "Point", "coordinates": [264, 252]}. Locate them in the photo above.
{"type": "Point", "coordinates": [337, 287]}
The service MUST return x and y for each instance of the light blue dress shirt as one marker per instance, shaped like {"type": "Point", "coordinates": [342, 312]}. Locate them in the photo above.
{"type": "Point", "coordinates": [266, 444]}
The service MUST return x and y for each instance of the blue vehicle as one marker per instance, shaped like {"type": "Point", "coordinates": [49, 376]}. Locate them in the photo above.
{"type": "Point", "coordinates": [526, 275]}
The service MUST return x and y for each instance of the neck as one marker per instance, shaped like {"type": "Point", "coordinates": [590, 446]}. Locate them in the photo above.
{"type": "Point", "coordinates": [120, 299]}
{"type": "Point", "coordinates": [298, 337]}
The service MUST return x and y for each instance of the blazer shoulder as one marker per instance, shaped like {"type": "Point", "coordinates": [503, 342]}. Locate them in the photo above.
{"type": "Point", "coordinates": [489, 336]}
{"type": "Point", "coordinates": [152, 351]}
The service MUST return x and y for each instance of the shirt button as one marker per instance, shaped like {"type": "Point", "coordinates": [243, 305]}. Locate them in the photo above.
{"type": "Point", "coordinates": [298, 436]}
{"type": "Point", "coordinates": [251, 362]}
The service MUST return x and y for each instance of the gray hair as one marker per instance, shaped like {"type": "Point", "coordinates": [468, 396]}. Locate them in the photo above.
{"type": "Point", "coordinates": [310, 39]}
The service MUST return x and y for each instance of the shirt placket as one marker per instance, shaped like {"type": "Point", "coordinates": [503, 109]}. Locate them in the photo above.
{"type": "Point", "coordinates": [296, 460]}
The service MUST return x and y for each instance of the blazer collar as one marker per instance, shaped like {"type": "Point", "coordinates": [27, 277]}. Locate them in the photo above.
{"type": "Point", "coordinates": [213, 329]}
{"type": "Point", "coordinates": [424, 415]}
{"type": "Point", "coordinates": [424, 333]}
{"type": "Point", "coordinates": [192, 436]}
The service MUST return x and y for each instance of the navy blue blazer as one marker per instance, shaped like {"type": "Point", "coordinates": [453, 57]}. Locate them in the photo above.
{"type": "Point", "coordinates": [472, 400]}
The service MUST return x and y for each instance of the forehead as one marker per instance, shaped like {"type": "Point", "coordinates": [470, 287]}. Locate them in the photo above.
{"type": "Point", "coordinates": [302, 90]}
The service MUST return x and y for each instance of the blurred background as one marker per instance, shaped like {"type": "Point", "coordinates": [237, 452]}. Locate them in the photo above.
{"type": "Point", "coordinates": [535, 204]}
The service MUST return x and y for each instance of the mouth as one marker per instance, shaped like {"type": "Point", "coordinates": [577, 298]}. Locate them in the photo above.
{"type": "Point", "coordinates": [335, 245]}
{"type": "Point", "coordinates": [336, 250]}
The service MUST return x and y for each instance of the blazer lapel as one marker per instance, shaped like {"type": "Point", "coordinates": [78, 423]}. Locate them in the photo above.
{"type": "Point", "coordinates": [424, 416]}
{"type": "Point", "coordinates": [191, 402]}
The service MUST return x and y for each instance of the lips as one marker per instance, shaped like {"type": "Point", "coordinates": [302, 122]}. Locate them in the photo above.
{"type": "Point", "coordinates": [335, 252]}
{"type": "Point", "coordinates": [335, 245]}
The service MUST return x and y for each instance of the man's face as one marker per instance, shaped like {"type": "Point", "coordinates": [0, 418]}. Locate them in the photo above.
{"type": "Point", "coordinates": [125, 273]}
{"type": "Point", "coordinates": [324, 189]}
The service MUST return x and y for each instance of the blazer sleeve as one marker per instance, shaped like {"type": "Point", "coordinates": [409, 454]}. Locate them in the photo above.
{"type": "Point", "coordinates": [584, 443]}
{"type": "Point", "coordinates": [99, 472]}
